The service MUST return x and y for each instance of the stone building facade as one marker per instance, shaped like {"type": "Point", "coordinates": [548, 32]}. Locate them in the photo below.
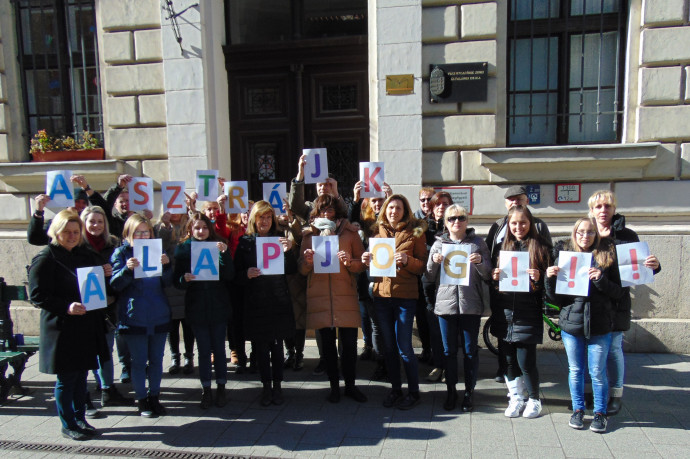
{"type": "Point", "coordinates": [168, 111]}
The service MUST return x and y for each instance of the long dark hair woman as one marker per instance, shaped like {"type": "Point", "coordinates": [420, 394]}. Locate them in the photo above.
{"type": "Point", "coordinates": [522, 314]}
{"type": "Point", "coordinates": [332, 297]}
{"type": "Point", "coordinates": [72, 339]}
{"type": "Point", "coordinates": [395, 298]}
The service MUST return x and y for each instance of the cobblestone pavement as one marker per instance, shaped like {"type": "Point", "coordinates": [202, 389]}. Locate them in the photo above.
{"type": "Point", "coordinates": [654, 421]}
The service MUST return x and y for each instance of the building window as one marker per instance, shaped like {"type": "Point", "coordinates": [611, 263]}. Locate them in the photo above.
{"type": "Point", "coordinates": [58, 56]}
{"type": "Point", "coordinates": [565, 71]}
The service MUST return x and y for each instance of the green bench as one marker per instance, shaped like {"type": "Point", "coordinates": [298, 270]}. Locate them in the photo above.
{"type": "Point", "coordinates": [11, 354]}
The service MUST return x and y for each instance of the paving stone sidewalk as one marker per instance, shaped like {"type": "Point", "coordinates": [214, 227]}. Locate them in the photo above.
{"type": "Point", "coordinates": [654, 421]}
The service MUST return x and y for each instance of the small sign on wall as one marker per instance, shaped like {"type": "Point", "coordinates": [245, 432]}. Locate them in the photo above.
{"type": "Point", "coordinates": [567, 192]}
{"type": "Point", "coordinates": [534, 194]}
{"type": "Point", "coordinates": [461, 195]}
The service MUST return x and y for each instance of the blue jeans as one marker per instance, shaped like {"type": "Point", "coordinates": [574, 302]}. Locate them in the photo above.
{"type": "Point", "coordinates": [396, 317]}
{"type": "Point", "coordinates": [106, 370]}
{"type": "Point", "coordinates": [450, 326]}
{"type": "Point", "coordinates": [210, 338]}
{"type": "Point", "coordinates": [616, 361]}
{"type": "Point", "coordinates": [146, 353]}
{"type": "Point", "coordinates": [593, 352]}
{"type": "Point", "coordinates": [70, 397]}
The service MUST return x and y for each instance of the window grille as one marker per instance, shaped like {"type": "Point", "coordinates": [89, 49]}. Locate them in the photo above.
{"type": "Point", "coordinates": [59, 67]}
{"type": "Point", "coordinates": [565, 68]}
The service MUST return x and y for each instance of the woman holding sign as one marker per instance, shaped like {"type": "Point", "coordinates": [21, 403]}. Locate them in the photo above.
{"type": "Point", "coordinates": [395, 297]}
{"type": "Point", "coordinates": [72, 339]}
{"type": "Point", "coordinates": [144, 314]}
{"type": "Point", "coordinates": [522, 312]}
{"type": "Point", "coordinates": [602, 207]}
{"type": "Point", "coordinates": [268, 314]}
{"type": "Point", "coordinates": [207, 304]}
{"type": "Point", "coordinates": [332, 289]}
{"type": "Point", "coordinates": [460, 298]}
{"type": "Point", "coordinates": [585, 321]}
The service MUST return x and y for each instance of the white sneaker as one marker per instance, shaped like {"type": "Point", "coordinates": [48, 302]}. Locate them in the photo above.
{"type": "Point", "coordinates": [515, 407]}
{"type": "Point", "coordinates": [532, 409]}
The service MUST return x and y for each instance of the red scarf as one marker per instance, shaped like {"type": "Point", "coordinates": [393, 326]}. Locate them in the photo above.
{"type": "Point", "coordinates": [97, 242]}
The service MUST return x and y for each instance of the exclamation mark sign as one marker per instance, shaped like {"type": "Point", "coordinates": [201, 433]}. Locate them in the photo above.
{"type": "Point", "coordinates": [514, 263]}
{"type": "Point", "coordinates": [573, 271]}
{"type": "Point", "coordinates": [633, 261]}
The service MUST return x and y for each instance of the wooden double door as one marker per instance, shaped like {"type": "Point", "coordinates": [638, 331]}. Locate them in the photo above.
{"type": "Point", "coordinates": [309, 94]}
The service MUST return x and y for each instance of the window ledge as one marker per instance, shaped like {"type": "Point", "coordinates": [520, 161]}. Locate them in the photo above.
{"type": "Point", "coordinates": [587, 163]}
{"type": "Point", "coordinates": [30, 177]}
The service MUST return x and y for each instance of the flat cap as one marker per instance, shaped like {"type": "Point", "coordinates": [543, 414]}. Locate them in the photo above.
{"type": "Point", "coordinates": [514, 191]}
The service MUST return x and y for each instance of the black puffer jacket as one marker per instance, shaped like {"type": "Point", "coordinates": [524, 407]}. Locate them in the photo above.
{"type": "Point", "coordinates": [521, 321]}
{"type": "Point", "coordinates": [586, 315]}
{"type": "Point", "coordinates": [623, 309]}
{"type": "Point", "coordinates": [268, 311]}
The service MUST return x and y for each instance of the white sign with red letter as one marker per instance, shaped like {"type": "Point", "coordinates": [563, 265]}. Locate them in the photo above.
{"type": "Point", "coordinates": [269, 255]}
{"type": "Point", "coordinates": [173, 197]}
{"type": "Point", "coordinates": [141, 194]}
{"type": "Point", "coordinates": [514, 276]}
{"type": "Point", "coordinates": [59, 189]}
{"type": "Point", "coordinates": [326, 254]}
{"type": "Point", "coordinates": [238, 201]}
{"type": "Point", "coordinates": [573, 276]}
{"type": "Point", "coordinates": [371, 175]}
{"type": "Point", "coordinates": [383, 257]}
{"type": "Point", "coordinates": [631, 264]}
{"type": "Point", "coordinates": [316, 169]}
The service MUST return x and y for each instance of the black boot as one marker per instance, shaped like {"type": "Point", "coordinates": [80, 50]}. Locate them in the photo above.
{"type": "Point", "coordinates": [188, 367]}
{"type": "Point", "coordinates": [266, 395]}
{"type": "Point", "coordinates": [614, 406]}
{"type": "Point", "coordinates": [451, 398]}
{"type": "Point", "coordinates": [221, 397]}
{"type": "Point", "coordinates": [206, 398]}
{"type": "Point", "coordinates": [277, 394]}
{"type": "Point", "coordinates": [300, 337]}
{"type": "Point", "coordinates": [334, 395]}
{"type": "Point", "coordinates": [467, 402]}
{"type": "Point", "coordinates": [90, 411]}
{"type": "Point", "coordinates": [289, 358]}
{"type": "Point", "coordinates": [156, 406]}
{"type": "Point", "coordinates": [145, 409]}
{"type": "Point", "coordinates": [112, 397]}
{"type": "Point", "coordinates": [174, 367]}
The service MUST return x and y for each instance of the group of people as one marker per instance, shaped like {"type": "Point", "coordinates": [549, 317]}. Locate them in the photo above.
{"type": "Point", "coordinates": [273, 312]}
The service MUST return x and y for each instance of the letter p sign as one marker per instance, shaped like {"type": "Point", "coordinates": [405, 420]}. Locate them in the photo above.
{"type": "Point", "coordinates": [269, 255]}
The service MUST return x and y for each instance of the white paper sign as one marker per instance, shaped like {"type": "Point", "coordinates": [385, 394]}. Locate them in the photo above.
{"type": "Point", "coordinates": [148, 252]}
{"type": "Point", "coordinates": [205, 260]}
{"type": "Point", "coordinates": [269, 255]}
{"type": "Point", "coordinates": [59, 189]}
{"type": "Point", "coordinates": [173, 197]}
{"type": "Point", "coordinates": [206, 185]}
{"type": "Point", "coordinates": [92, 287]}
{"type": "Point", "coordinates": [371, 175]}
{"type": "Point", "coordinates": [631, 264]}
{"type": "Point", "coordinates": [382, 260]}
{"type": "Point", "coordinates": [573, 276]}
{"type": "Point", "coordinates": [316, 169]}
{"type": "Point", "coordinates": [141, 194]}
{"type": "Point", "coordinates": [238, 197]}
{"type": "Point", "coordinates": [326, 254]}
{"type": "Point", "coordinates": [274, 193]}
{"type": "Point", "coordinates": [514, 266]}
{"type": "Point", "coordinates": [455, 268]}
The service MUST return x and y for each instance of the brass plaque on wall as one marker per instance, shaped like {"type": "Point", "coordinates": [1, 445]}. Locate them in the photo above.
{"type": "Point", "coordinates": [399, 84]}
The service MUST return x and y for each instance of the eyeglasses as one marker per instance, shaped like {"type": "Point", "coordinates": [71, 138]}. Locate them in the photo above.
{"type": "Point", "coordinates": [142, 233]}
{"type": "Point", "coordinates": [459, 218]}
{"type": "Point", "coordinates": [424, 199]}
{"type": "Point", "coordinates": [586, 233]}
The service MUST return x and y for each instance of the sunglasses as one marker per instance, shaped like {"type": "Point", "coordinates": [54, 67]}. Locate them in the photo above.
{"type": "Point", "coordinates": [460, 218]}
{"type": "Point", "coordinates": [424, 199]}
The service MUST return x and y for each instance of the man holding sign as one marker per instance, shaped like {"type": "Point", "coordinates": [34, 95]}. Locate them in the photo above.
{"type": "Point", "coordinates": [296, 201]}
{"type": "Point", "coordinates": [331, 258]}
{"type": "Point", "coordinates": [460, 267]}
{"type": "Point", "coordinates": [602, 206]}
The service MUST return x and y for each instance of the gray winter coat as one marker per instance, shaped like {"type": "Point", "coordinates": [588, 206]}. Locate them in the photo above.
{"type": "Point", "coordinates": [460, 299]}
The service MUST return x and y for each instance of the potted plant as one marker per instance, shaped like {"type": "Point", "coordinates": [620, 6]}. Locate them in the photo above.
{"type": "Point", "coordinates": [46, 148]}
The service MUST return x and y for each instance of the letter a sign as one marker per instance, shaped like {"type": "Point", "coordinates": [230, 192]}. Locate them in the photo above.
{"type": "Point", "coordinates": [326, 250]}
{"type": "Point", "coordinates": [92, 287]}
